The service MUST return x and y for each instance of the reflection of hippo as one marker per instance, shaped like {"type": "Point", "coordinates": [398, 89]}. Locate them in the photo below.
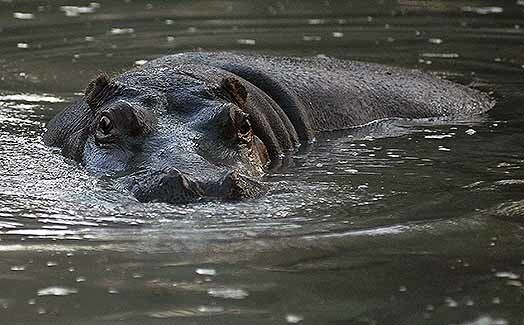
{"type": "Point", "coordinates": [208, 125]}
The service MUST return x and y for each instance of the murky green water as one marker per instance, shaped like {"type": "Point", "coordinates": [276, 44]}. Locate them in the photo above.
{"type": "Point", "coordinates": [422, 227]}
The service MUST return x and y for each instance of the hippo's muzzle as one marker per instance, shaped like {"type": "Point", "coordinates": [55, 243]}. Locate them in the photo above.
{"type": "Point", "coordinates": [173, 186]}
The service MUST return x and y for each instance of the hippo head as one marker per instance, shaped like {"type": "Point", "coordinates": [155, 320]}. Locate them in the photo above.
{"type": "Point", "coordinates": [167, 135]}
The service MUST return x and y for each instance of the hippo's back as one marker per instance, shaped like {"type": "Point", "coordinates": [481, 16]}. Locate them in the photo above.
{"type": "Point", "coordinates": [320, 94]}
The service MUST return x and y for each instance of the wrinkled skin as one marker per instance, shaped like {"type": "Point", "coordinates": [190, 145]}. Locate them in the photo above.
{"type": "Point", "coordinates": [199, 126]}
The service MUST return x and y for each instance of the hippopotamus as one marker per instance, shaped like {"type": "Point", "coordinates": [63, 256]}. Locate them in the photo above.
{"type": "Point", "coordinates": [199, 126]}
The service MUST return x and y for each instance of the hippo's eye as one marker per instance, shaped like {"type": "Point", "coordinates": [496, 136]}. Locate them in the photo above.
{"type": "Point", "coordinates": [105, 125]}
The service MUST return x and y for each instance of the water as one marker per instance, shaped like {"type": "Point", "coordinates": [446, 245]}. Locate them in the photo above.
{"type": "Point", "coordinates": [398, 223]}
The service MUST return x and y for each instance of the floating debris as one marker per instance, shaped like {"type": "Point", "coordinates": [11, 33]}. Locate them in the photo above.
{"type": "Point", "coordinates": [435, 40]}
{"type": "Point", "coordinates": [22, 45]}
{"type": "Point", "coordinates": [470, 132]}
{"type": "Point", "coordinates": [140, 62]}
{"type": "Point", "coordinates": [338, 34]}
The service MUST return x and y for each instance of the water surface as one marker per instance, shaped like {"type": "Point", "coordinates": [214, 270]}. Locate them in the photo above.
{"type": "Point", "coordinates": [395, 223]}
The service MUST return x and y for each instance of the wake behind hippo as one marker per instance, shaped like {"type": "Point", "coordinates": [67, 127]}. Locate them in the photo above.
{"type": "Point", "coordinates": [196, 126]}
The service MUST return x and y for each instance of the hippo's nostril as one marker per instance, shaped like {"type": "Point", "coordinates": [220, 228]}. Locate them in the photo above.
{"type": "Point", "coordinates": [236, 186]}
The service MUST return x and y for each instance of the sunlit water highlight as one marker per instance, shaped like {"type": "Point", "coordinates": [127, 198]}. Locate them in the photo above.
{"type": "Point", "coordinates": [396, 222]}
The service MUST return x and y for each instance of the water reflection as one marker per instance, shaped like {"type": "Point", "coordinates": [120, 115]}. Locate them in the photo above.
{"type": "Point", "coordinates": [398, 222]}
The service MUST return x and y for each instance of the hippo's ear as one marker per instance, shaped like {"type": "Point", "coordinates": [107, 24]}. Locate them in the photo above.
{"type": "Point", "coordinates": [99, 90]}
{"type": "Point", "coordinates": [235, 90]}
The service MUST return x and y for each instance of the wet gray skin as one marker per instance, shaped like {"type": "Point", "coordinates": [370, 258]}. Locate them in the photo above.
{"type": "Point", "coordinates": [199, 126]}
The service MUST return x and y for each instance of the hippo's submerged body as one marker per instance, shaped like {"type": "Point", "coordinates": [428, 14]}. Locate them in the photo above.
{"type": "Point", "coordinates": [208, 125]}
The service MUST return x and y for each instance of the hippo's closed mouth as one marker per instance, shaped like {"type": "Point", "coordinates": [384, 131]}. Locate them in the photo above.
{"type": "Point", "coordinates": [198, 126]}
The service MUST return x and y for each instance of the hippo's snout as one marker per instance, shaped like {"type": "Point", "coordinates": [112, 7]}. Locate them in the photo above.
{"type": "Point", "coordinates": [174, 186]}
{"type": "Point", "coordinates": [235, 186]}
{"type": "Point", "coordinates": [169, 185]}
